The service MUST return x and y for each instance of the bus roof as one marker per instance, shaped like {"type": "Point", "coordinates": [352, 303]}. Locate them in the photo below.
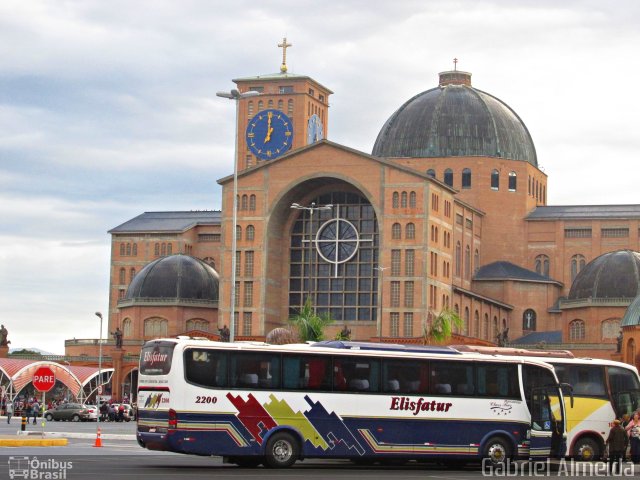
{"type": "Point", "coordinates": [514, 351]}
{"type": "Point", "coordinates": [385, 347]}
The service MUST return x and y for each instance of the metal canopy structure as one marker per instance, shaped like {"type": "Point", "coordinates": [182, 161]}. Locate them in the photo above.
{"type": "Point", "coordinates": [82, 382]}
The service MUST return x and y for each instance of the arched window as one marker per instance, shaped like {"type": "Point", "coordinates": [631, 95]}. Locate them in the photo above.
{"type": "Point", "coordinates": [542, 265]}
{"type": "Point", "coordinates": [280, 104]}
{"type": "Point", "coordinates": [458, 259]}
{"type": "Point", "coordinates": [250, 233]}
{"type": "Point", "coordinates": [529, 320]}
{"type": "Point", "coordinates": [128, 249]}
{"type": "Point", "coordinates": [631, 351]}
{"type": "Point", "coordinates": [155, 327]}
{"type": "Point", "coordinates": [512, 181]}
{"type": "Point", "coordinates": [127, 328]}
{"type": "Point", "coordinates": [270, 104]}
{"type": "Point", "coordinates": [250, 108]}
{"type": "Point", "coordinates": [122, 249]}
{"type": "Point", "coordinates": [169, 248]}
{"type": "Point", "coordinates": [244, 204]}
{"type": "Point", "coordinates": [485, 327]}
{"type": "Point", "coordinates": [238, 232]}
{"type": "Point", "coordinates": [412, 200]}
{"type": "Point", "coordinates": [163, 249]}
{"type": "Point", "coordinates": [467, 263]}
{"type": "Point", "coordinates": [260, 105]}
{"type": "Point", "coordinates": [396, 231]}
{"type": "Point", "coordinates": [197, 324]}
{"type": "Point", "coordinates": [132, 274]}
{"type": "Point", "coordinates": [135, 249]}
{"type": "Point", "coordinates": [467, 327]}
{"type": "Point", "coordinates": [495, 180]}
{"type": "Point", "coordinates": [466, 178]}
{"type": "Point", "coordinates": [576, 330]}
{"type": "Point", "coordinates": [252, 203]}
{"type": "Point", "coordinates": [410, 231]}
{"type": "Point", "coordinates": [476, 324]}
{"type": "Point", "coordinates": [403, 200]}
{"type": "Point", "coordinates": [610, 329]}
{"type": "Point", "coordinates": [431, 173]}
{"type": "Point", "coordinates": [123, 272]}
{"type": "Point", "coordinates": [290, 107]}
{"type": "Point", "coordinates": [156, 250]}
{"type": "Point", "coordinates": [476, 260]}
{"type": "Point", "coordinates": [495, 328]}
{"type": "Point", "coordinates": [448, 177]}
{"type": "Point", "coordinates": [577, 264]}
{"type": "Point", "coordinates": [395, 200]}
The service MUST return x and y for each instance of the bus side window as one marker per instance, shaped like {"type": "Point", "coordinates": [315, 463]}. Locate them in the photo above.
{"type": "Point", "coordinates": [356, 374]}
{"type": "Point", "coordinates": [205, 367]}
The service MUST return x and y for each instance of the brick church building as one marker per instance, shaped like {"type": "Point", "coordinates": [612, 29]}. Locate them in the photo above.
{"type": "Point", "coordinates": [449, 210]}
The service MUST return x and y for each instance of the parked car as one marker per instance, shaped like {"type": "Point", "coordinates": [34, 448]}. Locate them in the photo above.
{"type": "Point", "coordinates": [74, 412]}
{"type": "Point", "coordinates": [93, 412]}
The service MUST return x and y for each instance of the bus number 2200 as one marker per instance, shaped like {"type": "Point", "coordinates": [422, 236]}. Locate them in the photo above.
{"type": "Point", "coordinates": [204, 399]}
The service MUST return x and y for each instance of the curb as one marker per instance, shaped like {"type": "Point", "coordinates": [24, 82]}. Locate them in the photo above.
{"type": "Point", "coordinates": [33, 442]}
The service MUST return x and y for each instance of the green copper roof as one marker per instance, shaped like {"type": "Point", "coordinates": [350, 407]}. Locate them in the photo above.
{"type": "Point", "coordinates": [632, 315]}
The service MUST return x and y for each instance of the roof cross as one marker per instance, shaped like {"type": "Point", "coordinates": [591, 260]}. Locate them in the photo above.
{"type": "Point", "coordinates": [455, 64]}
{"type": "Point", "coordinates": [284, 45]}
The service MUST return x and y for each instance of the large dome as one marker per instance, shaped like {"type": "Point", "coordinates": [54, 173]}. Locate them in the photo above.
{"type": "Point", "coordinates": [455, 120]}
{"type": "Point", "coordinates": [179, 277]}
{"type": "Point", "coordinates": [612, 275]}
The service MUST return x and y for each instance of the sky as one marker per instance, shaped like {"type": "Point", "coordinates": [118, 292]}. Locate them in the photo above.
{"type": "Point", "coordinates": [108, 110]}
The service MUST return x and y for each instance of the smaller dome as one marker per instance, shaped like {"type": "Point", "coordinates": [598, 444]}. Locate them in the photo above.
{"type": "Point", "coordinates": [179, 277]}
{"type": "Point", "coordinates": [632, 315]}
{"type": "Point", "coordinates": [612, 275]}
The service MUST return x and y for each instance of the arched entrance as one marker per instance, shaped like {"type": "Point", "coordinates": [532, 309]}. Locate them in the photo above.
{"type": "Point", "coordinates": [333, 257]}
{"type": "Point", "coordinates": [329, 255]}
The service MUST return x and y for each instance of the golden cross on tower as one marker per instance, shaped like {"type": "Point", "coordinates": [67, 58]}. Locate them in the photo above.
{"type": "Point", "coordinates": [455, 64]}
{"type": "Point", "coordinates": [284, 45]}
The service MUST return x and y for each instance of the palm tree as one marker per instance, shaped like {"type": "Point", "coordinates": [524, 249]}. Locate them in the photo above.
{"type": "Point", "coordinates": [442, 327]}
{"type": "Point", "coordinates": [310, 325]}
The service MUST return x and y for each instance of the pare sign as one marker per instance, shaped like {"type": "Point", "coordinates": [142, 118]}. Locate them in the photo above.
{"type": "Point", "coordinates": [44, 379]}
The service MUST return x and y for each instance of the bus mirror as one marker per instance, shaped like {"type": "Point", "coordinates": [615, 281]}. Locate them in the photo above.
{"type": "Point", "coordinates": [567, 389]}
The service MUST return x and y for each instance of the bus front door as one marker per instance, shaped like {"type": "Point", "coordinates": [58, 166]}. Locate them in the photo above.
{"type": "Point", "coordinates": [547, 438]}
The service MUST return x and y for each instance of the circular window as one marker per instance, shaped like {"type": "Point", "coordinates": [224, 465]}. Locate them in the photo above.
{"type": "Point", "coordinates": [337, 241]}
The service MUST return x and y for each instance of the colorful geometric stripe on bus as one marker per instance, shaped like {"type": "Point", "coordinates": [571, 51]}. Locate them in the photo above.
{"type": "Point", "coordinates": [253, 416]}
{"type": "Point", "coordinates": [283, 414]}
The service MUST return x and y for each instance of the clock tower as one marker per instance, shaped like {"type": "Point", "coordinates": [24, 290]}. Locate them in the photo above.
{"type": "Point", "coordinates": [290, 112]}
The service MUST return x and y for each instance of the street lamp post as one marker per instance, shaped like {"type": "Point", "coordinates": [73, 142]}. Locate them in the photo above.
{"type": "Point", "coordinates": [311, 209]}
{"type": "Point", "coordinates": [99, 315]}
{"type": "Point", "coordinates": [237, 96]}
{"type": "Point", "coordinates": [381, 270]}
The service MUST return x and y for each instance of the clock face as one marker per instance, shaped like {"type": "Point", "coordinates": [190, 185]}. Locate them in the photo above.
{"type": "Point", "coordinates": [314, 129]}
{"type": "Point", "coordinates": [269, 134]}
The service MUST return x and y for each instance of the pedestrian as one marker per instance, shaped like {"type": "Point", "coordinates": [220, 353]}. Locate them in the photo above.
{"type": "Point", "coordinates": [103, 412]}
{"type": "Point", "coordinates": [633, 429]}
{"type": "Point", "coordinates": [617, 443]}
{"type": "Point", "coordinates": [112, 413]}
{"type": "Point", "coordinates": [35, 408]}
{"type": "Point", "coordinates": [121, 413]}
{"type": "Point", "coordinates": [9, 410]}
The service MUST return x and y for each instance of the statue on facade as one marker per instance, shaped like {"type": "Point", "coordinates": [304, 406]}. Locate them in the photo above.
{"type": "Point", "coordinates": [3, 336]}
{"type": "Point", "coordinates": [619, 342]}
{"type": "Point", "coordinates": [503, 338]}
{"type": "Point", "coordinates": [117, 335]}
{"type": "Point", "coordinates": [225, 334]}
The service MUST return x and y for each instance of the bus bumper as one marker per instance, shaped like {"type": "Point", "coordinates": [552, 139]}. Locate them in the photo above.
{"type": "Point", "coordinates": [152, 441]}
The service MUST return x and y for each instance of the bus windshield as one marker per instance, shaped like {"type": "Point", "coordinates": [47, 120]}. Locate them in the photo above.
{"type": "Point", "coordinates": [625, 390]}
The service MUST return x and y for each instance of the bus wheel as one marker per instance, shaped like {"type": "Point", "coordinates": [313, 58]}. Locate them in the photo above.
{"type": "Point", "coordinates": [282, 450]}
{"type": "Point", "coordinates": [497, 450]}
{"type": "Point", "coordinates": [586, 449]}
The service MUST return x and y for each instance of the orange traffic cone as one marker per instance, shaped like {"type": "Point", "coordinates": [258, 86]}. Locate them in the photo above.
{"type": "Point", "coordinates": [98, 439]}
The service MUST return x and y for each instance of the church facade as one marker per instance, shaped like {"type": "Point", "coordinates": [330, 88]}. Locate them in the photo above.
{"type": "Point", "coordinates": [449, 211]}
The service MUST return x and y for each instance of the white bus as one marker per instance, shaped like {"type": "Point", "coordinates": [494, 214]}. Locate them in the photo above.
{"type": "Point", "coordinates": [254, 403]}
{"type": "Point", "coordinates": [602, 390]}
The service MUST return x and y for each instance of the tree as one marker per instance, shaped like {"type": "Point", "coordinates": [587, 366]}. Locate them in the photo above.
{"type": "Point", "coordinates": [442, 327]}
{"type": "Point", "coordinates": [310, 325]}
